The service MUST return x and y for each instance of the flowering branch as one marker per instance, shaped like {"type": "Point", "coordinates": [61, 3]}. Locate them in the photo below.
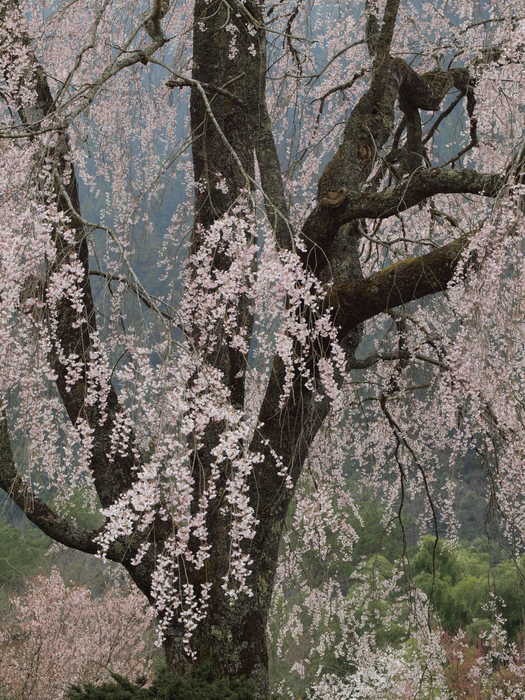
{"type": "Point", "coordinates": [85, 96]}
{"type": "Point", "coordinates": [71, 324]}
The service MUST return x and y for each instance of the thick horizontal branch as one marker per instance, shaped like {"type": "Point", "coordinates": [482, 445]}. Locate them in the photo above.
{"type": "Point", "coordinates": [417, 188]}
{"type": "Point", "coordinates": [420, 186]}
{"type": "Point", "coordinates": [60, 529]}
{"type": "Point", "coordinates": [323, 222]}
{"type": "Point", "coordinates": [395, 285]}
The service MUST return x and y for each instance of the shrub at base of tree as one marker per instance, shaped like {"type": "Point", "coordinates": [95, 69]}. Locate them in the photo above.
{"type": "Point", "coordinates": [169, 686]}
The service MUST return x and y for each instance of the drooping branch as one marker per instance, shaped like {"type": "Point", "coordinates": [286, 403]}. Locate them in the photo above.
{"type": "Point", "coordinates": [36, 510]}
{"type": "Point", "coordinates": [423, 184]}
{"type": "Point", "coordinates": [413, 278]}
{"type": "Point", "coordinates": [126, 58]}
{"type": "Point", "coordinates": [342, 199]}
{"type": "Point", "coordinates": [150, 302]}
{"type": "Point", "coordinates": [289, 428]}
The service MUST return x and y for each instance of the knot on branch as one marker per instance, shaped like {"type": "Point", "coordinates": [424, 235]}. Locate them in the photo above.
{"type": "Point", "coordinates": [334, 198]}
{"type": "Point", "coordinates": [365, 151]}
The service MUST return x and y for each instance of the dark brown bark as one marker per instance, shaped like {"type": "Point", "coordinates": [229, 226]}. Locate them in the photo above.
{"type": "Point", "coordinates": [226, 135]}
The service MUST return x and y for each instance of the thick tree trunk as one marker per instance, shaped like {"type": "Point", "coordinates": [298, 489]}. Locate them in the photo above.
{"type": "Point", "coordinates": [231, 643]}
{"type": "Point", "coordinates": [225, 118]}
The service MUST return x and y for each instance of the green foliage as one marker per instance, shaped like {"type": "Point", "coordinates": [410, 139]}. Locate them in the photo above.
{"type": "Point", "coordinates": [22, 554]}
{"type": "Point", "coordinates": [372, 536]}
{"type": "Point", "coordinates": [509, 586]}
{"type": "Point", "coordinates": [459, 580]}
{"type": "Point", "coordinates": [121, 689]}
{"type": "Point", "coordinates": [201, 685]}
{"type": "Point", "coordinates": [24, 550]}
{"type": "Point", "coordinates": [23, 547]}
{"type": "Point", "coordinates": [77, 508]}
{"type": "Point", "coordinates": [439, 556]}
{"type": "Point", "coordinates": [377, 569]}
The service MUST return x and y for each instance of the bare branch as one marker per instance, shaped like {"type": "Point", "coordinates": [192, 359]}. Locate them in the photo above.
{"type": "Point", "coordinates": [344, 86]}
{"type": "Point", "coordinates": [147, 299]}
